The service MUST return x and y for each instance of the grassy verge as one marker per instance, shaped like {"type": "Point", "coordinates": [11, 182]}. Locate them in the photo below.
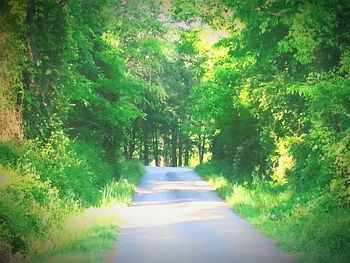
{"type": "Point", "coordinates": [61, 206]}
{"type": "Point", "coordinates": [87, 235]}
{"type": "Point", "coordinates": [300, 222]}
{"type": "Point", "coordinates": [123, 189]}
{"type": "Point", "coordinates": [83, 238]}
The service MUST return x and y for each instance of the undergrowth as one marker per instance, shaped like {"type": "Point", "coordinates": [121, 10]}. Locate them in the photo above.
{"type": "Point", "coordinates": [122, 189]}
{"type": "Point", "coordinates": [83, 237]}
{"type": "Point", "coordinates": [305, 222]}
{"type": "Point", "coordinates": [46, 187]}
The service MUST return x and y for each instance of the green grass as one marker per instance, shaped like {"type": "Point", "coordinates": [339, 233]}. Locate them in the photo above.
{"type": "Point", "coordinates": [303, 222]}
{"type": "Point", "coordinates": [123, 189]}
{"type": "Point", "coordinates": [84, 238]}
{"type": "Point", "coordinates": [87, 236]}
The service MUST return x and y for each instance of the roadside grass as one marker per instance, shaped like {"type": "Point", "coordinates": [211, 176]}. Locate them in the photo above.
{"type": "Point", "coordinates": [122, 189]}
{"type": "Point", "coordinates": [86, 236]}
{"type": "Point", "coordinates": [302, 222]}
{"type": "Point", "coordinates": [45, 188]}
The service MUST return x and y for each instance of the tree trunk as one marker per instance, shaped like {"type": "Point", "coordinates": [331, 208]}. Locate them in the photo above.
{"type": "Point", "coordinates": [126, 154]}
{"type": "Point", "coordinates": [132, 143]}
{"type": "Point", "coordinates": [187, 152]}
{"type": "Point", "coordinates": [180, 149]}
{"type": "Point", "coordinates": [168, 151]}
{"type": "Point", "coordinates": [173, 147]}
{"type": "Point", "coordinates": [156, 148]}
{"type": "Point", "coordinates": [199, 144]}
{"type": "Point", "coordinates": [140, 148]}
{"type": "Point", "coordinates": [145, 146]}
{"type": "Point", "coordinates": [202, 149]}
{"type": "Point", "coordinates": [32, 47]}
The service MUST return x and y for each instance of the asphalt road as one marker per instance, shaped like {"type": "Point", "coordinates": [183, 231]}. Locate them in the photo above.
{"type": "Point", "coordinates": [178, 217]}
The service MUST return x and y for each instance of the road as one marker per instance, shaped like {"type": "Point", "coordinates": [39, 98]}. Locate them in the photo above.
{"type": "Point", "coordinates": [177, 217]}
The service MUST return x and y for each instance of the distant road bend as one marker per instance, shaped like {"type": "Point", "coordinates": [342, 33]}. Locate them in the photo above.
{"type": "Point", "coordinates": [176, 217]}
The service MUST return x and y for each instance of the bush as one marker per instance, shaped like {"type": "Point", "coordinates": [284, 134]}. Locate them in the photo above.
{"type": "Point", "coordinates": [28, 208]}
{"type": "Point", "coordinates": [43, 183]}
{"type": "Point", "coordinates": [307, 221]}
{"type": "Point", "coordinates": [9, 153]}
{"type": "Point", "coordinates": [7, 257]}
{"type": "Point", "coordinates": [78, 169]}
{"type": "Point", "coordinates": [88, 171]}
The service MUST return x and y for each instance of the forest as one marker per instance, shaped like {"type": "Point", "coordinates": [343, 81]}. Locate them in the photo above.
{"type": "Point", "coordinates": [254, 94]}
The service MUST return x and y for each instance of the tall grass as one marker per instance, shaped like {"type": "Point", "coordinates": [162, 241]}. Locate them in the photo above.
{"type": "Point", "coordinates": [83, 238]}
{"type": "Point", "coordinates": [123, 189]}
{"type": "Point", "coordinates": [303, 222]}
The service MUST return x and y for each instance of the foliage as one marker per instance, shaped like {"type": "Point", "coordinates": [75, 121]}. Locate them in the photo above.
{"type": "Point", "coordinates": [34, 209]}
{"type": "Point", "coordinates": [29, 208]}
{"type": "Point", "coordinates": [265, 88]}
{"type": "Point", "coordinates": [305, 222]}
{"type": "Point", "coordinates": [261, 85]}
{"type": "Point", "coordinates": [76, 168]}
{"type": "Point", "coordinates": [87, 81]}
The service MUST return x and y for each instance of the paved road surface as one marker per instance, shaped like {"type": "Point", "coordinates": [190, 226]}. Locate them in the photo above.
{"type": "Point", "coordinates": [177, 217]}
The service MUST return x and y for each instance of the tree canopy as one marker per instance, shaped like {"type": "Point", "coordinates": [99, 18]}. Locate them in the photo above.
{"type": "Point", "coordinates": [262, 85]}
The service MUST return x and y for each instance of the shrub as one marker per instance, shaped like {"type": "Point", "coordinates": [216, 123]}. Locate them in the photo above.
{"type": "Point", "coordinates": [308, 221]}
{"type": "Point", "coordinates": [28, 208]}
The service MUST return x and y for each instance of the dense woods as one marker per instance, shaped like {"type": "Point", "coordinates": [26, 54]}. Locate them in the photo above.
{"type": "Point", "coordinates": [258, 88]}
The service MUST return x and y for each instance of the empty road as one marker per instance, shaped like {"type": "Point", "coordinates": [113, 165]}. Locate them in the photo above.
{"type": "Point", "coordinates": [177, 217]}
